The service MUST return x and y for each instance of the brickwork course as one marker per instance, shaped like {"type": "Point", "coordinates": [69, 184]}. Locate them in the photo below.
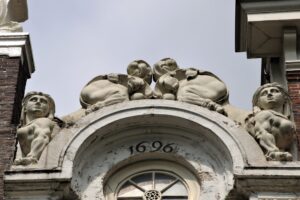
{"type": "Point", "coordinates": [293, 79]}
{"type": "Point", "coordinates": [13, 78]}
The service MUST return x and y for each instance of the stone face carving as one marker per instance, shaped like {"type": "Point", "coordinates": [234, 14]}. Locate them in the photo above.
{"type": "Point", "coordinates": [116, 88]}
{"type": "Point", "coordinates": [11, 13]}
{"type": "Point", "coordinates": [140, 78]}
{"type": "Point", "coordinates": [165, 77]}
{"type": "Point", "coordinates": [189, 85]}
{"type": "Point", "coordinates": [36, 126]}
{"type": "Point", "coordinates": [164, 66]}
{"type": "Point", "coordinates": [141, 69]}
{"type": "Point", "coordinates": [270, 121]}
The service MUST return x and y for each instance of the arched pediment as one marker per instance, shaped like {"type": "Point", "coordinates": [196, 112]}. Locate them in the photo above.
{"type": "Point", "coordinates": [86, 157]}
{"type": "Point", "coordinates": [210, 145]}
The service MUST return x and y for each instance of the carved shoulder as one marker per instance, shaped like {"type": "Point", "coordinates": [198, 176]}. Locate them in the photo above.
{"type": "Point", "coordinates": [263, 115]}
{"type": "Point", "coordinates": [44, 123]}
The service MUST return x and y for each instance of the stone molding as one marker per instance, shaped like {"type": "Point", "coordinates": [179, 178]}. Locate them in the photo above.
{"type": "Point", "coordinates": [18, 45]}
{"type": "Point", "coordinates": [275, 196]}
{"type": "Point", "coordinates": [194, 113]}
{"type": "Point", "coordinates": [293, 65]}
{"type": "Point", "coordinates": [259, 26]}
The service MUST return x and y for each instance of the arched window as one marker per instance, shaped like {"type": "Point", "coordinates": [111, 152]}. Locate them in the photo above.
{"type": "Point", "coordinates": [153, 185]}
{"type": "Point", "coordinates": [152, 180]}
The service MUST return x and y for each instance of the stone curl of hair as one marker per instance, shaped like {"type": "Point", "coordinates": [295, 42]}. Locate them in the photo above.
{"type": "Point", "coordinates": [141, 69]}
{"type": "Point", "coordinates": [164, 66]}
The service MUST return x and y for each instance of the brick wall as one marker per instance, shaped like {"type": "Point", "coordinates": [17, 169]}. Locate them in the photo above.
{"type": "Point", "coordinates": [13, 78]}
{"type": "Point", "coordinates": [293, 79]}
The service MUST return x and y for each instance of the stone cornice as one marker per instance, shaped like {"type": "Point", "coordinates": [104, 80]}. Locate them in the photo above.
{"type": "Point", "coordinates": [18, 45]}
{"type": "Point", "coordinates": [259, 26]}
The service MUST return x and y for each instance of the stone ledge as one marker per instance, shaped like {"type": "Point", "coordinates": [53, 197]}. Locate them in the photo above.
{"type": "Point", "coordinates": [18, 45]}
{"type": "Point", "coordinates": [259, 26]}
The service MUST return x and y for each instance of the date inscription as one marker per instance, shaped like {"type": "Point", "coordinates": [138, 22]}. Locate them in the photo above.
{"type": "Point", "coordinates": [155, 146]}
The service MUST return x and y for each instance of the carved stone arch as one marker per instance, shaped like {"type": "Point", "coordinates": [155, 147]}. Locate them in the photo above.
{"type": "Point", "coordinates": [82, 160]}
{"type": "Point", "coordinates": [209, 145]}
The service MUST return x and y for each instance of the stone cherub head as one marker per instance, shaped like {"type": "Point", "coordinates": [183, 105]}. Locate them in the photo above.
{"type": "Point", "coordinates": [164, 66]}
{"type": "Point", "coordinates": [141, 69]}
{"type": "Point", "coordinates": [139, 80]}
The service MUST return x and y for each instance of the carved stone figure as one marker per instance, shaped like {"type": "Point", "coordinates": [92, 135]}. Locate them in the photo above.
{"type": "Point", "coordinates": [192, 86]}
{"type": "Point", "coordinates": [11, 13]}
{"type": "Point", "coordinates": [141, 69]}
{"type": "Point", "coordinates": [270, 121]}
{"type": "Point", "coordinates": [164, 66]}
{"type": "Point", "coordinates": [166, 82]}
{"type": "Point", "coordinates": [116, 88]}
{"type": "Point", "coordinates": [140, 78]}
{"type": "Point", "coordinates": [36, 126]}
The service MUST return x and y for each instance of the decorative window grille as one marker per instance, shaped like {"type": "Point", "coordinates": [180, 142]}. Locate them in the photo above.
{"type": "Point", "coordinates": [153, 185]}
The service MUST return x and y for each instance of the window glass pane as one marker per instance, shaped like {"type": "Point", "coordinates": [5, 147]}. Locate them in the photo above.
{"type": "Point", "coordinates": [177, 189]}
{"type": "Point", "coordinates": [128, 190]}
{"type": "Point", "coordinates": [163, 180]}
{"type": "Point", "coordinates": [166, 185]}
{"type": "Point", "coordinates": [145, 181]}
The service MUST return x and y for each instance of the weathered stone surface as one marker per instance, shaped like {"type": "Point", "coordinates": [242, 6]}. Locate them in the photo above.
{"type": "Point", "coordinates": [36, 126]}
{"type": "Point", "coordinates": [103, 91]}
{"type": "Point", "coordinates": [189, 85]}
{"type": "Point", "coordinates": [275, 196]}
{"type": "Point", "coordinates": [141, 69]}
{"type": "Point", "coordinates": [116, 88]}
{"type": "Point", "coordinates": [164, 66]}
{"type": "Point", "coordinates": [109, 138]}
{"type": "Point", "coordinates": [270, 122]}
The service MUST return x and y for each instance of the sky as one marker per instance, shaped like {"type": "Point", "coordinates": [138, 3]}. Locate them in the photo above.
{"type": "Point", "coordinates": [74, 41]}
